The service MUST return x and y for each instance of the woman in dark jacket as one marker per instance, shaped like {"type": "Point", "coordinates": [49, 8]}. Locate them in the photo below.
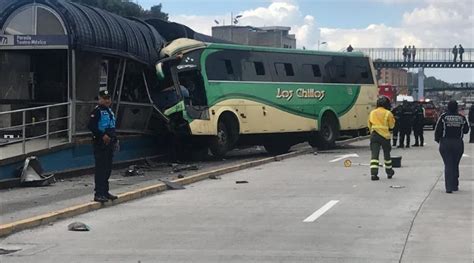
{"type": "Point", "coordinates": [450, 130]}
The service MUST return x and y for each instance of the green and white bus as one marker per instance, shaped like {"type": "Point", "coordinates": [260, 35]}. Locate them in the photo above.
{"type": "Point", "coordinates": [224, 95]}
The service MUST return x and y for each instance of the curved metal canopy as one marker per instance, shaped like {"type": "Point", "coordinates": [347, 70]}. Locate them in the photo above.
{"type": "Point", "coordinates": [96, 30]}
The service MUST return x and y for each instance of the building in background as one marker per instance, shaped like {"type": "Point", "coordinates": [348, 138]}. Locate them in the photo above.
{"type": "Point", "coordinates": [395, 77]}
{"type": "Point", "coordinates": [276, 36]}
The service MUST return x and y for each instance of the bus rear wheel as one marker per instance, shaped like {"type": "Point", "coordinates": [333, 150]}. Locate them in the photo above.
{"type": "Point", "coordinates": [220, 144]}
{"type": "Point", "coordinates": [277, 148]}
{"type": "Point", "coordinates": [326, 137]}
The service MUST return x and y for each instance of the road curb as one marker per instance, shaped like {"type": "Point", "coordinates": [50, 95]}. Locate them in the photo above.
{"type": "Point", "coordinates": [10, 228]}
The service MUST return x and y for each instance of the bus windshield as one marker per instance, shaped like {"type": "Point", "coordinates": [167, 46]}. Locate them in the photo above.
{"type": "Point", "coordinates": [191, 81]}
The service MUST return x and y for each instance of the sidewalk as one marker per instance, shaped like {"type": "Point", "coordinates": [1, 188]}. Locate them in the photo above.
{"type": "Point", "coordinates": [439, 232]}
{"type": "Point", "coordinates": [21, 203]}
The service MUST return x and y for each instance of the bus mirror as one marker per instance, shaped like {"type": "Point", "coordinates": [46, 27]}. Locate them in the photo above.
{"type": "Point", "coordinates": [159, 71]}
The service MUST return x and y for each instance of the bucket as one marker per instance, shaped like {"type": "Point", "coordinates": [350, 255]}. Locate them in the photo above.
{"type": "Point", "coordinates": [396, 161]}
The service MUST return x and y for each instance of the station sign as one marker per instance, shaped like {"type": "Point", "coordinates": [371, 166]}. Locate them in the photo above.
{"type": "Point", "coordinates": [33, 40]}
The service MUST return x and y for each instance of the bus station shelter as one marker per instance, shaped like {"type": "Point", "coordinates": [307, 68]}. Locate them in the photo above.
{"type": "Point", "coordinates": [55, 56]}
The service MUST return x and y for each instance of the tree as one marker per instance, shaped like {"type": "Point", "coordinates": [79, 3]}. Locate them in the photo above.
{"type": "Point", "coordinates": [126, 8]}
{"type": "Point", "coordinates": [156, 12]}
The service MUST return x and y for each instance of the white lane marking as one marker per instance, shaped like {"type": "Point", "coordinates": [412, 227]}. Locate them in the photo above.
{"type": "Point", "coordinates": [465, 155]}
{"type": "Point", "coordinates": [321, 211]}
{"type": "Point", "coordinates": [341, 157]}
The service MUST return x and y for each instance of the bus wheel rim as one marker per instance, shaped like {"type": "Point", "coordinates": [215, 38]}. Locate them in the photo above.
{"type": "Point", "coordinates": [222, 136]}
{"type": "Point", "coordinates": [327, 132]}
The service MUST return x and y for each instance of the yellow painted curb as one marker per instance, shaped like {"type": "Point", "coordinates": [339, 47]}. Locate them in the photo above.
{"type": "Point", "coordinates": [10, 228]}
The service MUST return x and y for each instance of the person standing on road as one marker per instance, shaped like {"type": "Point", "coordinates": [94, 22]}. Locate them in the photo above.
{"type": "Point", "coordinates": [381, 121]}
{"type": "Point", "coordinates": [409, 53]}
{"type": "Point", "coordinates": [413, 53]}
{"type": "Point", "coordinates": [419, 124]}
{"type": "Point", "coordinates": [407, 116]}
{"type": "Point", "coordinates": [396, 130]}
{"type": "Point", "coordinates": [102, 125]}
{"type": "Point", "coordinates": [449, 132]}
{"type": "Point", "coordinates": [405, 53]}
{"type": "Point", "coordinates": [455, 53]}
{"type": "Point", "coordinates": [471, 122]}
{"type": "Point", "coordinates": [350, 48]}
{"type": "Point", "coordinates": [461, 51]}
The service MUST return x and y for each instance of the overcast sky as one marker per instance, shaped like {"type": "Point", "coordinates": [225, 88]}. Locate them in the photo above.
{"type": "Point", "coordinates": [361, 23]}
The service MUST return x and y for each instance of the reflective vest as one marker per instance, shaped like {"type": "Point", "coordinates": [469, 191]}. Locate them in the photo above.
{"type": "Point", "coordinates": [381, 121]}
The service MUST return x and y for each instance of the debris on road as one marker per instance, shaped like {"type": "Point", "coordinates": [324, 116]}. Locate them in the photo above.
{"type": "Point", "coordinates": [241, 182]}
{"type": "Point", "coordinates": [78, 226]}
{"type": "Point", "coordinates": [172, 185]}
{"type": "Point", "coordinates": [397, 186]}
{"type": "Point", "coordinates": [153, 164]}
{"type": "Point", "coordinates": [185, 168]}
{"type": "Point", "coordinates": [32, 174]}
{"type": "Point", "coordinates": [4, 251]}
{"type": "Point", "coordinates": [348, 163]}
{"type": "Point", "coordinates": [133, 170]}
{"type": "Point", "coordinates": [214, 177]}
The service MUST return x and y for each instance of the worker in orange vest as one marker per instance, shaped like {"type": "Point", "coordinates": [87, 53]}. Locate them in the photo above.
{"type": "Point", "coordinates": [381, 121]}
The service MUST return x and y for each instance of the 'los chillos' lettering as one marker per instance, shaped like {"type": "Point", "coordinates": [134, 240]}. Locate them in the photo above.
{"type": "Point", "coordinates": [301, 93]}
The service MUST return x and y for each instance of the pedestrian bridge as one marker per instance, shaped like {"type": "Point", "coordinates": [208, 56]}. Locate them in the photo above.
{"type": "Point", "coordinates": [424, 58]}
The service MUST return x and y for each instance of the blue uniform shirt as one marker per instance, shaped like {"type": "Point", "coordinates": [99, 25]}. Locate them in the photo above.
{"type": "Point", "coordinates": [102, 121]}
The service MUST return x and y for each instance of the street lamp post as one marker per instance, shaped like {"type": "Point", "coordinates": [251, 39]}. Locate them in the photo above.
{"type": "Point", "coordinates": [233, 21]}
{"type": "Point", "coordinates": [321, 43]}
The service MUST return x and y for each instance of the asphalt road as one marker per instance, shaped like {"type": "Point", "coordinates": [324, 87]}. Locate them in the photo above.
{"type": "Point", "coordinates": [304, 209]}
{"type": "Point", "coordinates": [21, 203]}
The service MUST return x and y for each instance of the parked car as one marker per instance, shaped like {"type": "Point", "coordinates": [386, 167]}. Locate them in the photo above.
{"type": "Point", "coordinates": [431, 113]}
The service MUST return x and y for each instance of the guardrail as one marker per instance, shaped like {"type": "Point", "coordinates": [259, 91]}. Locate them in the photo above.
{"type": "Point", "coordinates": [49, 114]}
{"type": "Point", "coordinates": [440, 55]}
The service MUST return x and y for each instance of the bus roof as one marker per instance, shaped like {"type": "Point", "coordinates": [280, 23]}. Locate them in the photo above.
{"type": "Point", "coordinates": [183, 45]}
{"type": "Point", "coordinates": [282, 50]}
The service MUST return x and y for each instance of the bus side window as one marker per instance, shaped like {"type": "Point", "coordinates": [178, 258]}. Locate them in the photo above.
{"type": "Point", "coordinates": [228, 66]}
{"type": "Point", "coordinates": [259, 68]}
{"type": "Point", "coordinates": [312, 73]}
{"type": "Point", "coordinates": [254, 71]}
{"type": "Point", "coordinates": [222, 65]}
{"type": "Point", "coordinates": [284, 70]}
{"type": "Point", "coordinates": [360, 71]}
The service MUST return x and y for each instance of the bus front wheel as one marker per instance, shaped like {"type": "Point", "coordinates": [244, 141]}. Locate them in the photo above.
{"type": "Point", "coordinates": [326, 137]}
{"type": "Point", "coordinates": [219, 144]}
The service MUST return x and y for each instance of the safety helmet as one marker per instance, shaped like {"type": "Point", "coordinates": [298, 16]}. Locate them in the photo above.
{"type": "Point", "coordinates": [384, 102]}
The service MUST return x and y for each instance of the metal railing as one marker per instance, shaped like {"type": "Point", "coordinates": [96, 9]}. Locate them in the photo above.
{"type": "Point", "coordinates": [440, 55]}
{"type": "Point", "coordinates": [123, 121]}
{"type": "Point", "coordinates": [29, 125]}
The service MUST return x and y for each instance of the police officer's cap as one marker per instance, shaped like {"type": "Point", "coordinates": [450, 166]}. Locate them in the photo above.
{"type": "Point", "coordinates": [104, 94]}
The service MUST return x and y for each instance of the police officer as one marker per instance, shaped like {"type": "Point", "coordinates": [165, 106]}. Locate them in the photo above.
{"type": "Point", "coordinates": [449, 132]}
{"type": "Point", "coordinates": [396, 130]}
{"type": "Point", "coordinates": [471, 121]}
{"type": "Point", "coordinates": [418, 125]}
{"type": "Point", "coordinates": [381, 121]}
{"type": "Point", "coordinates": [102, 126]}
{"type": "Point", "coordinates": [407, 116]}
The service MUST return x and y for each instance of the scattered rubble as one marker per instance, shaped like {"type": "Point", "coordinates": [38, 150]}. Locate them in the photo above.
{"type": "Point", "coordinates": [191, 167]}
{"type": "Point", "coordinates": [32, 174]}
{"type": "Point", "coordinates": [78, 226]}
{"type": "Point", "coordinates": [4, 251]}
{"type": "Point", "coordinates": [172, 185]}
{"type": "Point", "coordinates": [241, 182]}
{"type": "Point", "coordinates": [397, 186]}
